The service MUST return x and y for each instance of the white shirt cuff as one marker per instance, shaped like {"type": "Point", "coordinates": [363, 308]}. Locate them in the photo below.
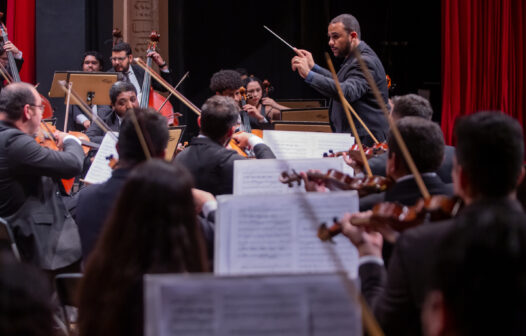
{"type": "Point", "coordinates": [208, 207]}
{"type": "Point", "coordinates": [80, 118]}
{"type": "Point", "coordinates": [254, 140]}
{"type": "Point", "coordinates": [18, 56]}
{"type": "Point", "coordinates": [370, 259]}
{"type": "Point", "coordinates": [67, 137]}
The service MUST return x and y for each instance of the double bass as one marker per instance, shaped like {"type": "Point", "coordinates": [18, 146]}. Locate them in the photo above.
{"type": "Point", "coordinates": [14, 77]}
{"type": "Point", "coordinates": [151, 97]}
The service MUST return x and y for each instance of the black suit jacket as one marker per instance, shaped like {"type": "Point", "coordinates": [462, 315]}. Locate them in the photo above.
{"type": "Point", "coordinates": [357, 92]}
{"type": "Point", "coordinates": [94, 205]}
{"type": "Point", "coordinates": [139, 73]}
{"type": "Point", "coordinates": [102, 112]}
{"type": "Point", "coordinates": [378, 163]}
{"type": "Point", "coordinates": [396, 296]}
{"type": "Point", "coordinates": [96, 134]}
{"type": "Point", "coordinates": [212, 165]}
{"type": "Point", "coordinates": [30, 200]}
{"type": "Point", "coordinates": [407, 192]}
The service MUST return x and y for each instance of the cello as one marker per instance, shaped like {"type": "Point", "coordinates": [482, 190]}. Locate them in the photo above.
{"type": "Point", "coordinates": [151, 97]}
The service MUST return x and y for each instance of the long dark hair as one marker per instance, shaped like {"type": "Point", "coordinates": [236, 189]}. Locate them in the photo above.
{"type": "Point", "coordinates": [152, 229]}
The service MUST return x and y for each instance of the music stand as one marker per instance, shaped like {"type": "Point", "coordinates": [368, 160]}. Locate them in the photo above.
{"type": "Point", "coordinates": [93, 87]}
{"type": "Point", "coordinates": [175, 135]}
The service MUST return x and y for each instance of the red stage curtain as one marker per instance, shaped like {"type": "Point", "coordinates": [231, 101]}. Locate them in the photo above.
{"type": "Point", "coordinates": [483, 59]}
{"type": "Point", "coordinates": [21, 29]}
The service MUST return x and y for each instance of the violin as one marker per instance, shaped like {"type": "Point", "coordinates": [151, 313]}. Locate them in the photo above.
{"type": "Point", "coordinates": [149, 96]}
{"type": "Point", "coordinates": [45, 138]}
{"type": "Point", "coordinates": [336, 180]}
{"type": "Point", "coordinates": [14, 77]}
{"type": "Point", "coordinates": [267, 88]}
{"type": "Point", "coordinates": [399, 217]}
{"type": "Point", "coordinates": [354, 152]}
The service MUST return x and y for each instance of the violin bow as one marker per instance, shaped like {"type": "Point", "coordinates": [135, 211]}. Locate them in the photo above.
{"type": "Point", "coordinates": [348, 114]}
{"type": "Point", "coordinates": [167, 86]}
{"type": "Point", "coordinates": [392, 125]}
{"type": "Point", "coordinates": [171, 94]}
{"type": "Point", "coordinates": [70, 85]}
{"type": "Point", "coordinates": [85, 108]}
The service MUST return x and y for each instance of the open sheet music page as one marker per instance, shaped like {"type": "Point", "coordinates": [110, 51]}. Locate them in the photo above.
{"type": "Point", "coordinates": [295, 305]}
{"type": "Point", "coordinates": [262, 176]}
{"type": "Point", "coordinates": [276, 233]}
{"type": "Point", "coordinates": [305, 145]}
{"type": "Point", "coordinates": [100, 171]}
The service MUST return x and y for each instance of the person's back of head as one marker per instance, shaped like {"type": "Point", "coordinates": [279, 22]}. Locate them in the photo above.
{"type": "Point", "coordinates": [154, 129]}
{"type": "Point", "coordinates": [225, 80]}
{"type": "Point", "coordinates": [350, 23]}
{"type": "Point", "coordinates": [218, 115]}
{"type": "Point", "coordinates": [14, 97]}
{"type": "Point", "coordinates": [25, 304]}
{"type": "Point", "coordinates": [423, 139]}
{"type": "Point", "coordinates": [480, 275]}
{"type": "Point", "coordinates": [411, 105]}
{"type": "Point", "coordinates": [152, 229]}
{"type": "Point", "coordinates": [490, 151]}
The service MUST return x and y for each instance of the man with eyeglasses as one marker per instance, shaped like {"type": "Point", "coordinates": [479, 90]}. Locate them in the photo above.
{"type": "Point", "coordinates": [121, 61]}
{"type": "Point", "coordinates": [30, 199]}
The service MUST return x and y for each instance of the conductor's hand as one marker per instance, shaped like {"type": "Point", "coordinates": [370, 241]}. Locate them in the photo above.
{"type": "Point", "coordinates": [307, 55]}
{"type": "Point", "coordinates": [301, 64]}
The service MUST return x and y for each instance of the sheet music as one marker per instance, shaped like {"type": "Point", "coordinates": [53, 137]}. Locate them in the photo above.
{"type": "Point", "coordinates": [305, 145]}
{"type": "Point", "coordinates": [312, 305]}
{"type": "Point", "coordinates": [278, 233]}
{"type": "Point", "coordinates": [262, 176]}
{"type": "Point", "coordinates": [99, 170]}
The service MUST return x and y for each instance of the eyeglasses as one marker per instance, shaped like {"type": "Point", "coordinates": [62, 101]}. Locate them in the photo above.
{"type": "Point", "coordinates": [41, 107]}
{"type": "Point", "coordinates": [118, 59]}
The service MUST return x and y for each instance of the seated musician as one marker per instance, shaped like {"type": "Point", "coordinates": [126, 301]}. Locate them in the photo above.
{"type": "Point", "coordinates": [228, 83]}
{"type": "Point", "coordinates": [416, 106]}
{"type": "Point", "coordinates": [95, 201]}
{"type": "Point", "coordinates": [260, 107]}
{"type": "Point", "coordinates": [123, 96]}
{"type": "Point", "coordinates": [481, 264]}
{"type": "Point", "coordinates": [121, 61]}
{"type": "Point", "coordinates": [211, 164]}
{"type": "Point", "coordinates": [484, 176]}
{"type": "Point", "coordinates": [44, 230]}
{"type": "Point", "coordinates": [91, 62]}
{"type": "Point", "coordinates": [425, 143]}
{"type": "Point", "coordinates": [17, 55]}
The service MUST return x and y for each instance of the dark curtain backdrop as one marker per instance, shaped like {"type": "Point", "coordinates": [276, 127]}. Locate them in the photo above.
{"type": "Point", "coordinates": [20, 21]}
{"type": "Point", "coordinates": [483, 59]}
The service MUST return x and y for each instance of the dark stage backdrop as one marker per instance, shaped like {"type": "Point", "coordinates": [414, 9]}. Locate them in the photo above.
{"type": "Point", "coordinates": [206, 36]}
{"type": "Point", "coordinates": [209, 35]}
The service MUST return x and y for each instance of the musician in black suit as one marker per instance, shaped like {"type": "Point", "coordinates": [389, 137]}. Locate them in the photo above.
{"type": "Point", "coordinates": [425, 143]}
{"type": "Point", "coordinates": [207, 157]}
{"type": "Point", "coordinates": [344, 37]}
{"type": "Point", "coordinates": [477, 286]}
{"type": "Point", "coordinates": [485, 175]}
{"type": "Point", "coordinates": [30, 200]}
{"type": "Point", "coordinates": [123, 97]}
{"type": "Point", "coordinates": [121, 61]}
{"type": "Point", "coordinates": [417, 106]}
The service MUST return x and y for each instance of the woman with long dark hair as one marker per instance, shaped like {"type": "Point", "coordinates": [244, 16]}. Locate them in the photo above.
{"type": "Point", "coordinates": [259, 104]}
{"type": "Point", "coordinates": [152, 229]}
